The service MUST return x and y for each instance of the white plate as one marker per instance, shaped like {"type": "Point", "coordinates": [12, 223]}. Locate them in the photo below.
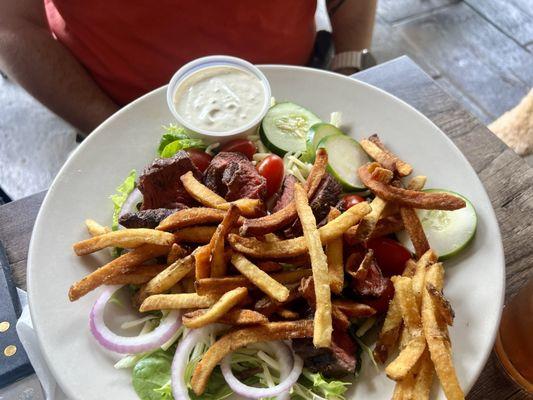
{"type": "Point", "coordinates": [474, 279]}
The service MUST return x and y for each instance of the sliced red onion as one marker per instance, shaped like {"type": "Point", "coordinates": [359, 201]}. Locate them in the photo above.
{"type": "Point", "coordinates": [287, 380]}
{"type": "Point", "coordinates": [181, 358]}
{"type": "Point", "coordinates": [134, 344]}
{"type": "Point", "coordinates": [130, 204]}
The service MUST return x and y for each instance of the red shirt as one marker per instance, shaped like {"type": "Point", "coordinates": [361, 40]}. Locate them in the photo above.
{"type": "Point", "coordinates": [132, 47]}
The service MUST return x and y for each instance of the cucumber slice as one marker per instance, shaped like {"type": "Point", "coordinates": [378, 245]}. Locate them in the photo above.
{"type": "Point", "coordinates": [448, 232]}
{"type": "Point", "coordinates": [345, 155]}
{"type": "Point", "coordinates": [285, 127]}
{"type": "Point", "coordinates": [316, 133]}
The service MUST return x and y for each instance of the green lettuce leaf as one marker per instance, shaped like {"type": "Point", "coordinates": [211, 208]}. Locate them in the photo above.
{"type": "Point", "coordinates": [151, 376]}
{"type": "Point", "coordinates": [320, 386]}
{"type": "Point", "coordinates": [177, 138]}
{"type": "Point", "coordinates": [122, 193]}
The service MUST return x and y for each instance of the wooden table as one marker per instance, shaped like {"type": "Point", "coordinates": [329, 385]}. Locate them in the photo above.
{"type": "Point", "coordinates": [507, 179]}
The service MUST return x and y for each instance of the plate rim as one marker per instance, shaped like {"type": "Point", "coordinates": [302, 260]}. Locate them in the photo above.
{"type": "Point", "coordinates": [268, 67]}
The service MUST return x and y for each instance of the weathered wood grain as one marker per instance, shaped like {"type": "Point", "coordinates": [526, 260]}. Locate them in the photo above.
{"type": "Point", "coordinates": [507, 178]}
{"type": "Point", "coordinates": [461, 45]}
{"type": "Point", "coordinates": [388, 44]}
{"type": "Point", "coordinates": [465, 100]}
{"type": "Point", "coordinates": [509, 16]}
{"type": "Point", "coordinates": [16, 223]}
{"type": "Point", "coordinates": [394, 10]}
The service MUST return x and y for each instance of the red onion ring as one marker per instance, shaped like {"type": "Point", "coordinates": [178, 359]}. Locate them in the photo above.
{"type": "Point", "coordinates": [130, 204]}
{"type": "Point", "coordinates": [181, 358]}
{"type": "Point", "coordinates": [287, 380]}
{"type": "Point", "coordinates": [134, 344]}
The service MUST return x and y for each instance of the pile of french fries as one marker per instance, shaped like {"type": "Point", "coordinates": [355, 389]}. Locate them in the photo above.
{"type": "Point", "coordinates": [235, 252]}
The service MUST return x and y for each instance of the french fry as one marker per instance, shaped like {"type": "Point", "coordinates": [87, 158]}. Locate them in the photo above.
{"type": "Point", "coordinates": [125, 238]}
{"type": "Point", "coordinates": [437, 336]}
{"type": "Point", "coordinates": [408, 198]}
{"type": "Point", "coordinates": [195, 234]}
{"type": "Point", "coordinates": [278, 220]}
{"type": "Point", "coordinates": [205, 196]}
{"type": "Point", "coordinates": [208, 286]}
{"type": "Point", "coordinates": [375, 149]}
{"type": "Point", "coordinates": [390, 331]}
{"type": "Point", "coordinates": [261, 279]}
{"type": "Point", "coordinates": [192, 217]}
{"type": "Point", "coordinates": [319, 263]}
{"type": "Point", "coordinates": [367, 225]}
{"type": "Point", "coordinates": [382, 175]}
{"type": "Point", "coordinates": [442, 305]}
{"type": "Point", "coordinates": [412, 222]}
{"type": "Point", "coordinates": [414, 230]}
{"type": "Point", "coordinates": [142, 275]}
{"type": "Point", "coordinates": [232, 317]}
{"type": "Point", "coordinates": [176, 301]}
{"type": "Point", "coordinates": [242, 337]}
{"type": "Point", "coordinates": [400, 367]}
{"type": "Point", "coordinates": [334, 253]}
{"type": "Point", "coordinates": [176, 251]}
{"type": "Point", "coordinates": [168, 277]}
{"type": "Point", "coordinates": [219, 309]}
{"type": "Point", "coordinates": [121, 265]}
{"type": "Point", "coordinates": [248, 207]}
{"type": "Point", "coordinates": [298, 246]}
{"type": "Point", "coordinates": [428, 258]}
{"type": "Point", "coordinates": [95, 229]}
{"type": "Point", "coordinates": [423, 378]}
{"type": "Point", "coordinates": [202, 264]}
{"type": "Point", "coordinates": [216, 245]}
{"type": "Point", "coordinates": [417, 182]}
{"type": "Point", "coordinates": [200, 192]}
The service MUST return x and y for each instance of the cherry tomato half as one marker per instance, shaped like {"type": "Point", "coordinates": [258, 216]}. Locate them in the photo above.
{"type": "Point", "coordinates": [390, 255]}
{"type": "Point", "coordinates": [199, 158]}
{"type": "Point", "coordinates": [243, 146]}
{"type": "Point", "coordinates": [351, 200]}
{"type": "Point", "coordinates": [273, 170]}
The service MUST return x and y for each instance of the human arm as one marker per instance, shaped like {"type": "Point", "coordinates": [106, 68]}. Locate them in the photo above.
{"type": "Point", "coordinates": [30, 56]}
{"type": "Point", "coordinates": [352, 22]}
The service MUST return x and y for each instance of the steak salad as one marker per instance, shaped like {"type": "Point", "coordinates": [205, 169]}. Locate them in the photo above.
{"type": "Point", "coordinates": [267, 266]}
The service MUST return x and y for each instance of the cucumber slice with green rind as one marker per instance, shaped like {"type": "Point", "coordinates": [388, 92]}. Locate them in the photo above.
{"type": "Point", "coordinates": [284, 128]}
{"type": "Point", "coordinates": [448, 232]}
{"type": "Point", "coordinates": [318, 132]}
{"type": "Point", "coordinates": [345, 156]}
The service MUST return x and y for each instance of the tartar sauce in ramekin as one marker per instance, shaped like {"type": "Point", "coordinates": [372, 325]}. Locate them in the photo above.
{"type": "Point", "coordinates": [220, 98]}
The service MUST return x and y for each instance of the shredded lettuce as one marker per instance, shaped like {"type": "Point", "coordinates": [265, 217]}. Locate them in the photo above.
{"type": "Point", "coordinates": [313, 386]}
{"type": "Point", "coordinates": [177, 138]}
{"type": "Point", "coordinates": [122, 193]}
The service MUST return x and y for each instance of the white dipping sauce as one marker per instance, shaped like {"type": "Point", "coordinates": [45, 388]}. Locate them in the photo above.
{"type": "Point", "coordinates": [220, 99]}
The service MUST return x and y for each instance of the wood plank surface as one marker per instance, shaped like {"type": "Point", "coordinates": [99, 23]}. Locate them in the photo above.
{"type": "Point", "coordinates": [394, 10]}
{"type": "Point", "coordinates": [474, 55]}
{"type": "Point", "coordinates": [514, 18]}
{"type": "Point", "coordinates": [507, 178]}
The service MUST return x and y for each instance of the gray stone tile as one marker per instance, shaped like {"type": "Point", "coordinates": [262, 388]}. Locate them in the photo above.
{"type": "Point", "coordinates": [34, 142]}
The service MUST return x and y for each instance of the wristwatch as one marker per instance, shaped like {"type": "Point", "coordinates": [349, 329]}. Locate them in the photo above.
{"type": "Point", "coordinates": [353, 59]}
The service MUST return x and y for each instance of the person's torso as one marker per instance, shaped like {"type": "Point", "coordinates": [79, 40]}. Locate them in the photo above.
{"type": "Point", "coordinates": [133, 47]}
